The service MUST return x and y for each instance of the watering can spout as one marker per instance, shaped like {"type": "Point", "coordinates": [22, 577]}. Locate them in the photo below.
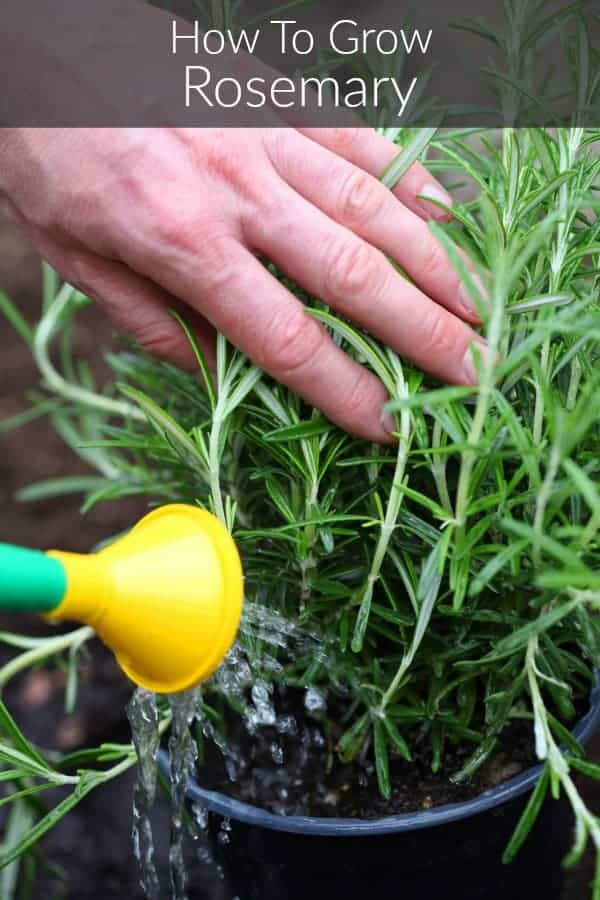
{"type": "Point", "coordinates": [166, 597]}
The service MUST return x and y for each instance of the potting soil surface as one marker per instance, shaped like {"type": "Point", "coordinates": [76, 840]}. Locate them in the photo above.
{"type": "Point", "coordinates": [275, 770]}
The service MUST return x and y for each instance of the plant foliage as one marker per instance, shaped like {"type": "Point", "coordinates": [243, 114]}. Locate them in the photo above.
{"type": "Point", "coordinates": [453, 578]}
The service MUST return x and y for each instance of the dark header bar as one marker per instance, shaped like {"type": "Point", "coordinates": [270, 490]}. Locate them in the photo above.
{"type": "Point", "coordinates": [327, 62]}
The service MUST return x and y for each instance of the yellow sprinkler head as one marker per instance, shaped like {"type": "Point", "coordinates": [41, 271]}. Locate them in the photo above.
{"type": "Point", "coordinates": [166, 597]}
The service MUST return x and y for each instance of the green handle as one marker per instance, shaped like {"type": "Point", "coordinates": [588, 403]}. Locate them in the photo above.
{"type": "Point", "coordinates": [30, 581]}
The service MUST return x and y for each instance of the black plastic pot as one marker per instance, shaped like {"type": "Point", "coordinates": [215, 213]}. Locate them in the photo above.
{"type": "Point", "coordinates": [448, 852]}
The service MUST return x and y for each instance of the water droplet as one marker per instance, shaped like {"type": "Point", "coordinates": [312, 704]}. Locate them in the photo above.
{"type": "Point", "coordinates": [287, 725]}
{"type": "Point", "coordinates": [200, 814]}
{"type": "Point", "coordinates": [224, 836]}
{"type": "Point", "coordinates": [277, 754]}
{"type": "Point", "coordinates": [314, 701]}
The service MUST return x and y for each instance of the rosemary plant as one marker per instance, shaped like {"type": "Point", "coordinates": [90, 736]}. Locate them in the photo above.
{"type": "Point", "coordinates": [453, 578]}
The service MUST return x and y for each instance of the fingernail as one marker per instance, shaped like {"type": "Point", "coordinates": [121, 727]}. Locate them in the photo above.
{"type": "Point", "coordinates": [465, 299]}
{"type": "Point", "coordinates": [475, 358]}
{"type": "Point", "coordinates": [432, 191]}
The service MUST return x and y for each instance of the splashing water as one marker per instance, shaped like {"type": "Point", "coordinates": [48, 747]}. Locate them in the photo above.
{"type": "Point", "coordinates": [314, 700]}
{"type": "Point", "coordinates": [245, 676]}
{"type": "Point", "coordinates": [272, 627]}
{"type": "Point", "coordinates": [142, 713]}
{"type": "Point", "coordinates": [182, 753]}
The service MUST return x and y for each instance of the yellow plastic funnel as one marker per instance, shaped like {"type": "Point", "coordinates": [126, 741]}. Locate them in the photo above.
{"type": "Point", "coordinates": [166, 598]}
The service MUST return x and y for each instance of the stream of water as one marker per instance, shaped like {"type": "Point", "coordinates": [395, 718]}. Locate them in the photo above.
{"type": "Point", "coordinates": [273, 633]}
{"type": "Point", "coordinates": [142, 712]}
{"type": "Point", "coordinates": [182, 754]}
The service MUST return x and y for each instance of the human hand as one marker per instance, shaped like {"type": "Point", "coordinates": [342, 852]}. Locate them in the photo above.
{"type": "Point", "coordinates": [141, 219]}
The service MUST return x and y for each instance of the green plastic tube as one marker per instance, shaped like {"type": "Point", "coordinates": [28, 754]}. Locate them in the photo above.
{"type": "Point", "coordinates": [30, 581]}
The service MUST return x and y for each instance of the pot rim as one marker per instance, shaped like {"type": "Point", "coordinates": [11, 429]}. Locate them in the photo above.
{"type": "Point", "coordinates": [231, 808]}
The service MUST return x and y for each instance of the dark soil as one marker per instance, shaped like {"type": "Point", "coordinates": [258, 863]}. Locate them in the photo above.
{"type": "Point", "coordinates": [89, 856]}
{"type": "Point", "coordinates": [296, 784]}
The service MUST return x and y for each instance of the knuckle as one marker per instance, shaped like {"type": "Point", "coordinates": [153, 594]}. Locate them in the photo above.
{"type": "Point", "coordinates": [171, 228]}
{"type": "Point", "coordinates": [359, 400]}
{"type": "Point", "coordinates": [214, 249]}
{"type": "Point", "coordinates": [435, 261]}
{"type": "Point", "coordinates": [344, 140]}
{"type": "Point", "coordinates": [439, 334]}
{"type": "Point", "coordinates": [268, 211]}
{"type": "Point", "coordinates": [291, 343]}
{"type": "Point", "coordinates": [361, 199]}
{"type": "Point", "coordinates": [350, 269]}
{"type": "Point", "coordinates": [278, 146]}
{"type": "Point", "coordinates": [242, 170]}
{"type": "Point", "coordinates": [176, 227]}
{"type": "Point", "coordinates": [207, 240]}
{"type": "Point", "coordinates": [158, 339]}
{"type": "Point", "coordinates": [223, 160]}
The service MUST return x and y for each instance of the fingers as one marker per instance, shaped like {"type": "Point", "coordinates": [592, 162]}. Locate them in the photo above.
{"type": "Point", "coordinates": [141, 309]}
{"type": "Point", "coordinates": [373, 153]}
{"type": "Point", "coordinates": [135, 305]}
{"type": "Point", "coordinates": [358, 281]}
{"type": "Point", "coordinates": [235, 292]}
{"type": "Point", "coordinates": [361, 203]}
